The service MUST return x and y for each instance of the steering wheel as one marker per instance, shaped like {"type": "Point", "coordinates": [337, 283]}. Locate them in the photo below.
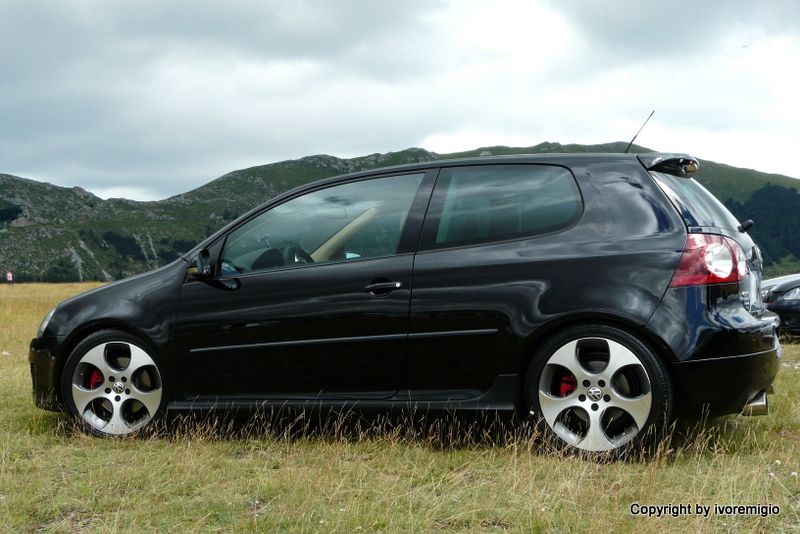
{"type": "Point", "coordinates": [296, 254]}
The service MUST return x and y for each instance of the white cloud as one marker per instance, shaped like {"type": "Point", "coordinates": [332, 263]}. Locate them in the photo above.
{"type": "Point", "coordinates": [137, 193]}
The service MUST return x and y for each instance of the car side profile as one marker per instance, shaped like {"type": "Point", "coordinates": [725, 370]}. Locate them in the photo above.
{"type": "Point", "coordinates": [600, 294]}
{"type": "Point", "coordinates": [782, 296]}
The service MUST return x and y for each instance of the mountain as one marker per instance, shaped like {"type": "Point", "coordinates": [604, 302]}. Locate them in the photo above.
{"type": "Point", "coordinates": [52, 233]}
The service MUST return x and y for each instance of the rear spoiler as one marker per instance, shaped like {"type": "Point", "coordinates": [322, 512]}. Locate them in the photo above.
{"type": "Point", "coordinates": [675, 164]}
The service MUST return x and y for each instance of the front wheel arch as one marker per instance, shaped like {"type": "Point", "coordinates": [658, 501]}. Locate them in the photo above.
{"type": "Point", "coordinates": [79, 334]}
{"type": "Point", "coordinates": [133, 391]}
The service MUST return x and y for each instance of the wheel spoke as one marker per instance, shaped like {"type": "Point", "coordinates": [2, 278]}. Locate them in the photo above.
{"type": "Point", "coordinates": [82, 396]}
{"type": "Point", "coordinates": [97, 357]}
{"type": "Point", "coordinates": [619, 356]}
{"type": "Point", "coordinates": [595, 438]}
{"type": "Point", "coordinates": [150, 399]}
{"type": "Point", "coordinates": [638, 407]}
{"type": "Point", "coordinates": [116, 425]}
{"type": "Point", "coordinates": [552, 406]}
{"type": "Point", "coordinates": [139, 359]}
{"type": "Point", "coordinates": [567, 357]}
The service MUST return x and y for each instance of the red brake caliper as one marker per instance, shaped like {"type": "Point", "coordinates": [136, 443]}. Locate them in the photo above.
{"type": "Point", "coordinates": [95, 379]}
{"type": "Point", "coordinates": [568, 385]}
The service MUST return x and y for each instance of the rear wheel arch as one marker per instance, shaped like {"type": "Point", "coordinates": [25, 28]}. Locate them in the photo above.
{"type": "Point", "coordinates": [634, 375]}
{"type": "Point", "coordinates": [543, 334]}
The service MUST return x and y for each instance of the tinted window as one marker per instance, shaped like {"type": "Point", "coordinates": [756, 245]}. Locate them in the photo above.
{"type": "Point", "coordinates": [694, 202]}
{"type": "Point", "coordinates": [496, 202]}
{"type": "Point", "coordinates": [355, 220]}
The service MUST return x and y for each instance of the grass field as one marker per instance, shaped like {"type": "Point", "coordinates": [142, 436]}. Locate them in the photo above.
{"type": "Point", "coordinates": [262, 476]}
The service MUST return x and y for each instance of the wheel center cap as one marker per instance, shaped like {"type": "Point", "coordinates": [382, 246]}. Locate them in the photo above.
{"type": "Point", "coordinates": [594, 393]}
{"type": "Point", "coordinates": [118, 387]}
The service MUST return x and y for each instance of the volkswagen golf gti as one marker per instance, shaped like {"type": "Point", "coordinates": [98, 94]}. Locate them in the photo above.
{"type": "Point", "coordinates": [601, 295]}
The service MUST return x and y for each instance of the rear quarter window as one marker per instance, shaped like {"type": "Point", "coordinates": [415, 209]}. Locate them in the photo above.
{"type": "Point", "coordinates": [486, 203]}
{"type": "Point", "coordinates": [695, 203]}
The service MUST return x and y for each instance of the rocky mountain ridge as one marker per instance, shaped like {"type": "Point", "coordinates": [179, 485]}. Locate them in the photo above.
{"type": "Point", "coordinates": [52, 233]}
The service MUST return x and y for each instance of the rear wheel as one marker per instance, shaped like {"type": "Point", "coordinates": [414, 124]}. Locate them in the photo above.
{"type": "Point", "coordinates": [598, 389]}
{"type": "Point", "coordinates": [112, 385]}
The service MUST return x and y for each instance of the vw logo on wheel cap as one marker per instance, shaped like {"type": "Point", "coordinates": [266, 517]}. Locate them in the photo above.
{"type": "Point", "coordinates": [118, 387]}
{"type": "Point", "coordinates": [594, 393]}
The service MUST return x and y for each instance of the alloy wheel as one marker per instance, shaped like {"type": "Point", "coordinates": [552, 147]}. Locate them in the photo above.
{"type": "Point", "coordinates": [116, 388]}
{"type": "Point", "coordinates": [595, 394]}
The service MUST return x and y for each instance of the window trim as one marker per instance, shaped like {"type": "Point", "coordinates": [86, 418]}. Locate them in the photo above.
{"type": "Point", "coordinates": [436, 205]}
{"type": "Point", "coordinates": [409, 235]}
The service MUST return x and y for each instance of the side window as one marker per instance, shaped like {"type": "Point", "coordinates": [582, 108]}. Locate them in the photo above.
{"type": "Point", "coordinates": [496, 202]}
{"type": "Point", "coordinates": [355, 220]}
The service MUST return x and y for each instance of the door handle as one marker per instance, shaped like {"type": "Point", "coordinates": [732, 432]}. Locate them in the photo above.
{"type": "Point", "coordinates": [382, 288]}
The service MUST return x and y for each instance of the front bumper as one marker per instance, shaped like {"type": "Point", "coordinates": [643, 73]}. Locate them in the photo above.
{"type": "Point", "coordinates": [44, 375]}
{"type": "Point", "coordinates": [720, 386]}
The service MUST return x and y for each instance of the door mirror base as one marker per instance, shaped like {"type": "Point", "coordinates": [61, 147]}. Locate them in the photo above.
{"type": "Point", "coordinates": [201, 265]}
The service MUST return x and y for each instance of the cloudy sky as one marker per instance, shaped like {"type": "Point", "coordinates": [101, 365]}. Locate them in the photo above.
{"type": "Point", "coordinates": [148, 99]}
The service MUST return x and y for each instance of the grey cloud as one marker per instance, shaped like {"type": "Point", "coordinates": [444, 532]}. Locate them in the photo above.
{"type": "Point", "coordinates": [82, 85]}
{"type": "Point", "coordinates": [43, 38]}
{"type": "Point", "coordinates": [163, 96]}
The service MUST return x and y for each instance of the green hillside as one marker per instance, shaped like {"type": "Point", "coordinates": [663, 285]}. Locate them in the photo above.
{"type": "Point", "coordinates": [53, 233]}
{"type": "Point", "coordinates": [738, 184]}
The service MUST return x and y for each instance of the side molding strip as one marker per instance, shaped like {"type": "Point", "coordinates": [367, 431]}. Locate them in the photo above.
{"type": "Point", "coordinates": [352, 339]}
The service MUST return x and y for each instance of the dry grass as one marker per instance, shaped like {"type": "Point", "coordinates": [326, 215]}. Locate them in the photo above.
{"type": "Point", "coordinates": [362, 475]}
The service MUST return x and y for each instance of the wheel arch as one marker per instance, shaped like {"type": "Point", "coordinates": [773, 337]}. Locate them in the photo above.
{"type": "Point", "coordinates": [74, 338]}
{"type": "Point", "coordinates": [542, 334]}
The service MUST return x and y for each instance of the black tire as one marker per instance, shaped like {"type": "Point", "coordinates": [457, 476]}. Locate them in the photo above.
{"type": "Point", "coordinates": [567, 419]}
{"type": "Point", "coordinates": [125, 399]}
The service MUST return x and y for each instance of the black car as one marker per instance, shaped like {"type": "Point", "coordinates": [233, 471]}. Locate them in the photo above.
{"type": "Point", "coordinates": [782, 296]}
{"type": "Point", "coordinates": [602, 294]}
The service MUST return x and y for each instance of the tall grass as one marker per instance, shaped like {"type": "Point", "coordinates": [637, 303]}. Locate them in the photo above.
{"type": "Point", "coordinates": [353, 472]}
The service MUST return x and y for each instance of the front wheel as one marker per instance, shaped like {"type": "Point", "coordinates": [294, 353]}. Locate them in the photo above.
{"type": "Point", "coordinates": [598, 389]}
{"type": "Point", "coordinates": [112, 385]}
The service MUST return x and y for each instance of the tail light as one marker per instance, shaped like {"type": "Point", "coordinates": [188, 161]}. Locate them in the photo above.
{"type": "Point", "coordinates": [710, 259]}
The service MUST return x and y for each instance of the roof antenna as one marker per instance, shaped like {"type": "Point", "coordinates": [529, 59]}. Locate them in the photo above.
{"type": "Point", "coordinates": [640, 131]}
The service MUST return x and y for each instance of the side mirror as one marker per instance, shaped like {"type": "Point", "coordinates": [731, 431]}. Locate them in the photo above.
{"type": "Point", "coordinates": [201, 265]}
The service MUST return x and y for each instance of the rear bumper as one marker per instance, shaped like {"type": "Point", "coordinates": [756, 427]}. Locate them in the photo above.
{"type": "Point", "coordinates": [722, 356]}
{"type": "Point", "coordinates": [43, 375]}
{"type": "Point", "coordinates": [720, 386]}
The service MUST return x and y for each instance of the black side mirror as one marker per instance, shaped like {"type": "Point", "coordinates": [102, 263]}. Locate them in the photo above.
{"type": "Point", "coordinates": [201, 266]}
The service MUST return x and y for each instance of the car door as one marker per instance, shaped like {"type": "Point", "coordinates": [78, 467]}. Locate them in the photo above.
{"type": "Point", "coordinates": [311, 297]}
{"type": "Point", "coordinates": [486, 260]}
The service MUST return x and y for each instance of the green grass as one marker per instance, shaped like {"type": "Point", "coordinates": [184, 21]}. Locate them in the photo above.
{"type": "Point", "coordinates": [787, 265]}
{"type": "Point", "coordinates": [369, 475]}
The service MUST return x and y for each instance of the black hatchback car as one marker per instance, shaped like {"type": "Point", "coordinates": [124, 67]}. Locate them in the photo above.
{"type": "Point", "coordinates": [601, 295]}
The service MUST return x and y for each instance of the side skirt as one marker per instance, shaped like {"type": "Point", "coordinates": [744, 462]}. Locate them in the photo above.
{"type": "Point", "coordinates": [500, 397]}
